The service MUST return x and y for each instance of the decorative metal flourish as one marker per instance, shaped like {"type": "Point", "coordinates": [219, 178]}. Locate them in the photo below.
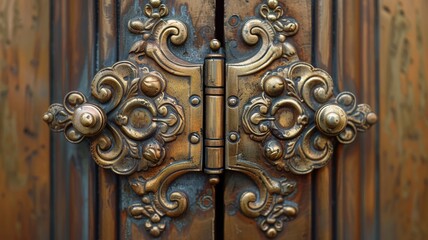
{"type": "Point", "coordinates": [154, 223]}
{"type": "Point", "coordinates": [271, 214]}
{"type": "Point", "coordinates": [143, 118]}
{"type": "Point", "coordinates": [284, 26]}
{"type": "Point", "coordinates": [155, 206]}
{"type": "Point", "coordinates": [296, 117]}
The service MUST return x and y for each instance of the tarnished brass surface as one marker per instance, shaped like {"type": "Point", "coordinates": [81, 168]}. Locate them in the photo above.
{"type": "Point", "coordinates": [294, 117]}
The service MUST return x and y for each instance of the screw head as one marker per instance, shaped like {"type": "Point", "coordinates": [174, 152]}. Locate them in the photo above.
{"type": "Point", "coordinates": [233, 137]}
{"type": "Point", "coordinates": [194, 138]}
{"type": "Point", "coordinates": [195, 100]}
{"type": "Point", "coordinates": [232, 101]}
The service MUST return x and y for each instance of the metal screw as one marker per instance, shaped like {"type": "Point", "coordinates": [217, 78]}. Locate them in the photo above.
{"type": "Point", "coordinates": [194, 138]}
{"type": "Point", "coordinates": [195, 100]}
{"type": "Point", "coordinates": [232, 101]}
{"type": "Point", "coordinates": [233, 137]}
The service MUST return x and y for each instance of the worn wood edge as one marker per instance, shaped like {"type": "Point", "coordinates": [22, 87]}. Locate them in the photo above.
{"type": "Point", "coordinates": [74, 173]}
{"type": "Point", "coordinates": [347, 162]}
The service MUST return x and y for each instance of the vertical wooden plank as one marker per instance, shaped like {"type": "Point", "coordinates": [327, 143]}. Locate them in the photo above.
{"type": "Point", "coordinates": [236, 224]}
{"type": "Point", "coordinates": [198, 222]}
{"type": "Point", "coordinates": [368, 141]}
{"type": "Point", "coordinates": [403, 130]}
{"type": "Point", "coordinates": [356, 164]}
{"type": "Point", "coordinates": [348, 165]}
{"type": "Point", "coordinates": [108, 219]}
{"type": "Point", "coordinates": [24, 95]}
{"type": "Point", "coordinates": [74, 173]}
{"type": "Point", "coordinates": [322, 202]}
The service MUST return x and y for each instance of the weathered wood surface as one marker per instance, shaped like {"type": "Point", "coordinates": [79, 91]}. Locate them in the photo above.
{"type": "Point", "coordinates": [24, 142]}
{"type": "Point", "coordinates": [74, 172]}
{"type": "Point", "coordinates": [403, 128]}
{"type": "Point", "coordinates": [354, 68]}
{"type": "Point", "coordinates": [236, 224]}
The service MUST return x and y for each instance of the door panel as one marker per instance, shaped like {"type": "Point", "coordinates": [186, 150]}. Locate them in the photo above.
{"type": "Point", "coordinates": [236, 224]}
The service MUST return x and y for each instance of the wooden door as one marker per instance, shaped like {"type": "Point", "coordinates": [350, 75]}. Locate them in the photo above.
{"type": "Point", "coordinates": [373, 188]}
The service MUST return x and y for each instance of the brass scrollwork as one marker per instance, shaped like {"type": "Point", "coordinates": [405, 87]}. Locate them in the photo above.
{"type": "Point", "coordinates": [143, 118]}
{"type": "Point", "coordinates": [297, 117]}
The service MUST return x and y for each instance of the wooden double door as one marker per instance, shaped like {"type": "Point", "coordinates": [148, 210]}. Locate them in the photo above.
{"type": "Point", "coordinates": [214, 120]}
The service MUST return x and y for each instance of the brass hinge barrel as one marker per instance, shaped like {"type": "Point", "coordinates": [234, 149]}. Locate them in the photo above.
{"type": "Point", "coordinates": [214, 114]}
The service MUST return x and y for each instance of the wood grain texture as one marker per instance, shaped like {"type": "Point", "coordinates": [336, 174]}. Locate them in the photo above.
{"type": "Point", "coordinates": [198, 221]}
{"type": "Point", "coordinates": [356, 164]}
{"type": "Point", "coordinates": [403, 131]}
{"type": "Point", "coordinates": [74, 172]}
{"type": "Point", "coordinates": [322, 183]}
{"type": "Point", "coordinates": [24, 96]}
{"type": "Point", "coordinates": [236, 224]}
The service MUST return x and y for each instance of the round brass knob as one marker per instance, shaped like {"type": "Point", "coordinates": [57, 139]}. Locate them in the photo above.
{"type": "Point", "coordinates": [89, 119]}
{"type": "Point", "coordinates": [331, 119]}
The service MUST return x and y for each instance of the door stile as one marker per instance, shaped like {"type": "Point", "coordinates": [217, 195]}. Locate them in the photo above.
{"type": "Point", "coordinates": [73, 171]}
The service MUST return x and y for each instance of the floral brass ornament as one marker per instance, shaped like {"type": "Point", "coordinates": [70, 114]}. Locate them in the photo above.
{"type": "Point", "coordinates": [295, 118]}
{"type": "Point", "coordinates": [143, 118]}
{"type": "Point", "coordinates": [130, 118]}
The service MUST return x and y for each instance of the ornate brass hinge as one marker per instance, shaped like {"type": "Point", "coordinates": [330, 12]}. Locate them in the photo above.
{"type": "Point", "coordinates": [145, 117]}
